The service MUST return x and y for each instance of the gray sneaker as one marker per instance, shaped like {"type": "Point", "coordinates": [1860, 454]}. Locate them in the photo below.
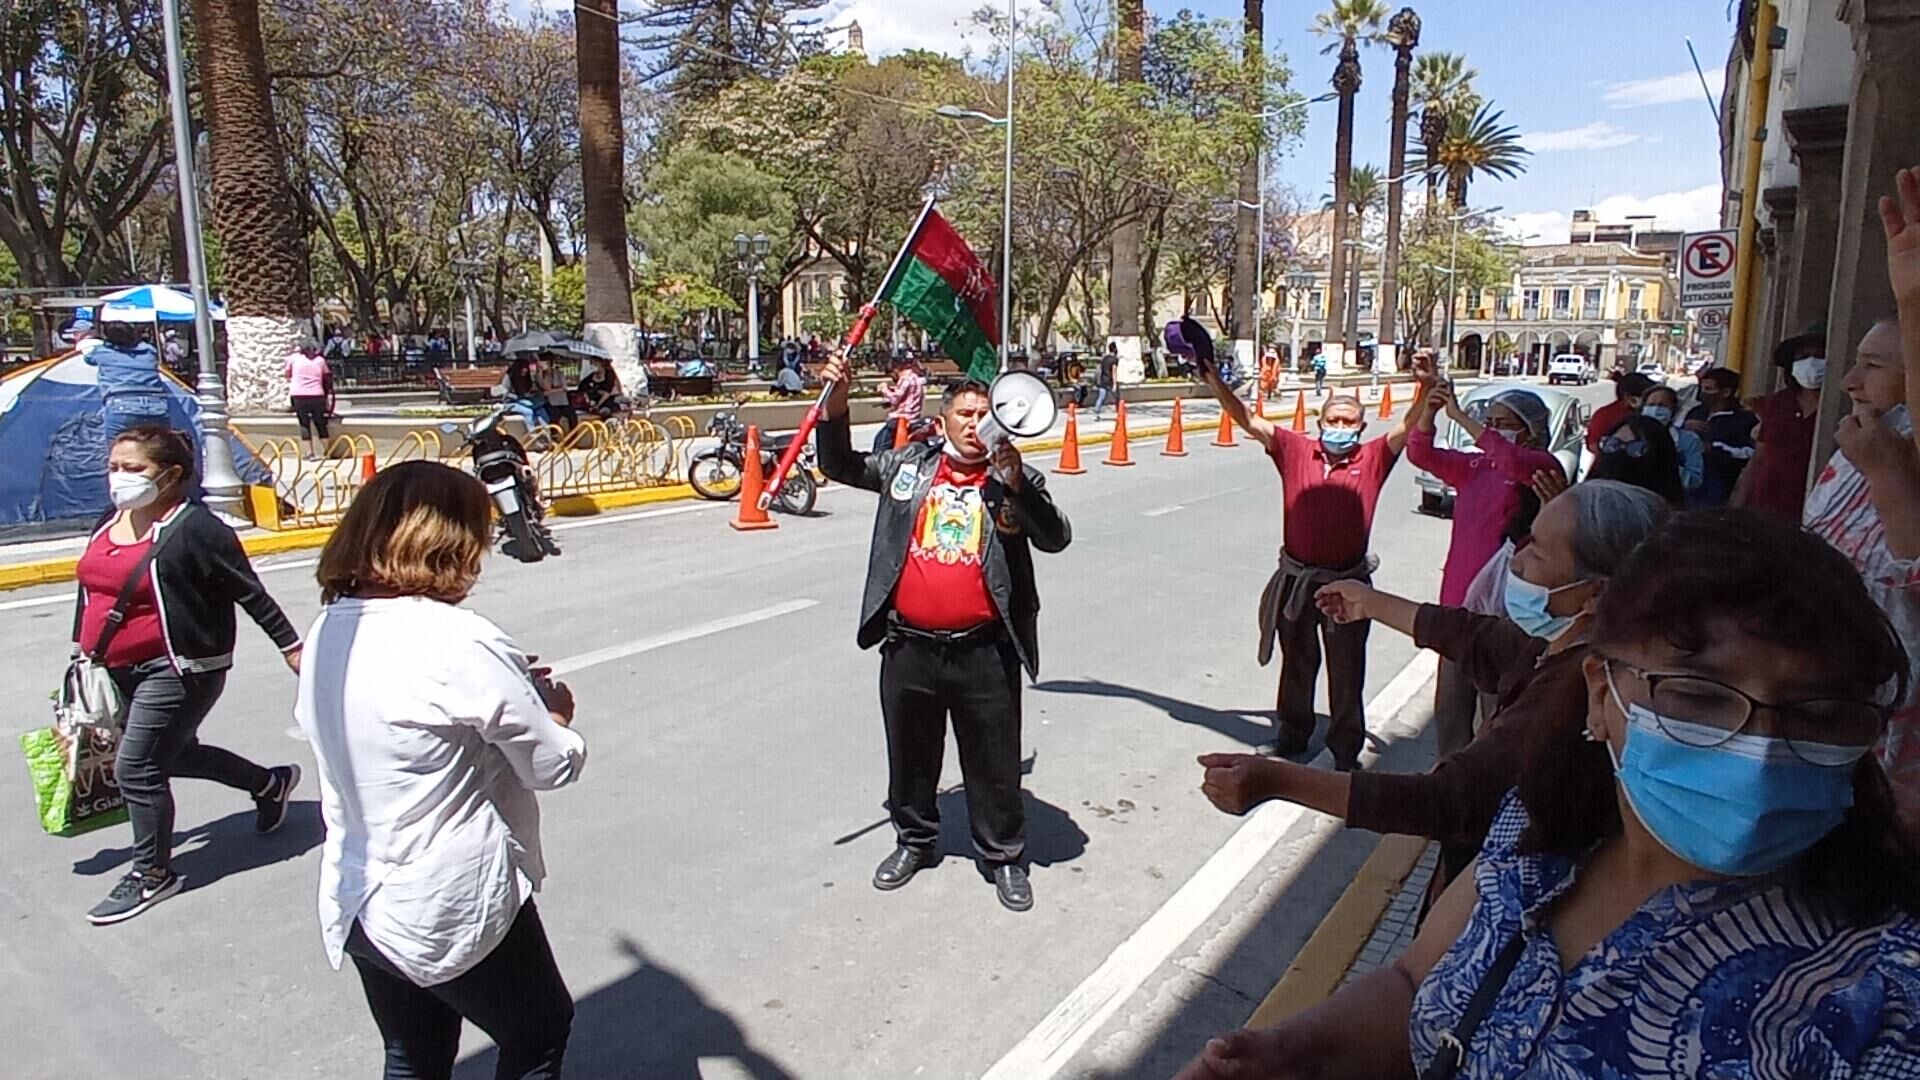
{"type": "Point", "coordinates": [132, 895]}
{"type": "Point", "coordinates": [270, 809]}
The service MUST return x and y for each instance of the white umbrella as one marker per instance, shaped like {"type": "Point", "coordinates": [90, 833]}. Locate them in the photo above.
{"type": "Point", "coordinates": [152, 303]}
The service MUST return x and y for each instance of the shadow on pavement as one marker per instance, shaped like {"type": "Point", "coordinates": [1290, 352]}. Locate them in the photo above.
{"type": "Point", "coordinates": [227, 846]}
{"type": "Point", "coordinates": [1239, 725]}
{"type": "Point", "coordinates": [652, 1024]}
{"type": "Point", "coordinates": [1052, 835]}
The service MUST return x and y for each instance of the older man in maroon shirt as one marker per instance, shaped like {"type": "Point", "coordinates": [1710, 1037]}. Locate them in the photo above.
{"type": "Point", "coordinates": [1330, 484]}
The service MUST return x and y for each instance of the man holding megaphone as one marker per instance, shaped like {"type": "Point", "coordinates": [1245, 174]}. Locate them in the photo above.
{"type": "Point", "coordinates": [950, 597]}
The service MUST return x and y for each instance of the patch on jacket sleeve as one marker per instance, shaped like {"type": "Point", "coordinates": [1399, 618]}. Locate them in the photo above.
{"type": "Point", "coordinates": [905, 481]}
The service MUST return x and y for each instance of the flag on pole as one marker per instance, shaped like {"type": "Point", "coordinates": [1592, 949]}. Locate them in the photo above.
{"type": "Point", "coordinates": [942, 287]}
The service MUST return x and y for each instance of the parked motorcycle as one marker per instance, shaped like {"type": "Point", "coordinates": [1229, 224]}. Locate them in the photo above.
{"type": "Point", "coordinates": [502, 464]}
{"type": "Point", "coordinates": [716, 472]}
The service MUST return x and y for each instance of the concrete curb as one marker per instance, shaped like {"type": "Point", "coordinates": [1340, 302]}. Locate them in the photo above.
{"type": "Point", "coordinates": [1324, 960]}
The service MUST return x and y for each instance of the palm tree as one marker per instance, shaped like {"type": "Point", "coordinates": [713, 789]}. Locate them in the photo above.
{"type": "Point", "coordinates": [1403, 32]}
{"type": "Point", "coordinates": [1123, 288]}
{"type": "Point", "coordinates": [1246, 223]}
{"type": "Point", "coordinates": [1478, 145]}
{"type": "Point", "coordinates": [263, 251]}
{"type": "Point", "coordinates": [1350, 23]}
{"type": "Point", "coordinates": [1366, 192]}
{"type": "Point", "coordinates": [1443, 85]}
{"type": "Point", "coordinates": [609, 305]}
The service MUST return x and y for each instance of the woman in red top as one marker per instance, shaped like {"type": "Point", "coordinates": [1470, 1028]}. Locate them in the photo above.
{"type": "Point", "coordinates": [170, 655]}
{"type": "Point", "coordinates": [1775, 481]}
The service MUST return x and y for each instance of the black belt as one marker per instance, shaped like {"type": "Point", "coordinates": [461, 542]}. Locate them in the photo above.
{"type": "Point", "coordinates": [985, 633]}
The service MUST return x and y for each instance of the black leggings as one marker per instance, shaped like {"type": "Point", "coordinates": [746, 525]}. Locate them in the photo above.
{"type": "Point", "coordinates": [515, 995]}
{"type": "Point", "coordinates": [312, 413]}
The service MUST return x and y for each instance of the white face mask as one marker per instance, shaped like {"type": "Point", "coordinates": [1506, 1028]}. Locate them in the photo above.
{"type": "Point", "coordinates": [131, 491]}
{"type": "Point", "coordinates": [1810, 371]}
{"type": "Point", "coordinates": [1508, 434]}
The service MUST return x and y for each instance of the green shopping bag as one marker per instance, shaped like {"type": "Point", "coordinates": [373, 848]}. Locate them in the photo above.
{"type": "Point", "coordinates": [73, 780]}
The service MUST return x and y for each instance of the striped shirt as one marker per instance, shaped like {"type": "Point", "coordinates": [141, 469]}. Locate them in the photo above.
{"type": "Point", "coordinates": [1840, 510]}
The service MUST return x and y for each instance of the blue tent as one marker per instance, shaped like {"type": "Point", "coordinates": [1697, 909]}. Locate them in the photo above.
{"type": "Point", "coordinates": [53, 451]}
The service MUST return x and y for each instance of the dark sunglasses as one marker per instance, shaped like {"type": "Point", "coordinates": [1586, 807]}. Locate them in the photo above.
{"type": "Point", "coordinates": [1612, 444]}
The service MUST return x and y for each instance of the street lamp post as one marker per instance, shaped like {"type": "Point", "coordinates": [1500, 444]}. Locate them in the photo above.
{"type": "Point", "coordinates": [1260, 218]}
{"type": "Point", "coordinates": [750, 258]}
{"type": "Point", "coordinates": [1298, 282]}
{"type": "Point", "coordinates": [955, 112]}
{"type": "Point", "coordinates": [1453, 271]}
{"type": "Point", "coordinates": [220, 481]}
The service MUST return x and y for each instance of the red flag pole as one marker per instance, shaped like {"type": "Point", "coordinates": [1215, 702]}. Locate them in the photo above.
{"type": "Point", "coordinates": [855, 335]}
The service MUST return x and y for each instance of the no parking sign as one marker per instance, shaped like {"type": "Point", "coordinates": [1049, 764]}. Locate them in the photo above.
{"type": "Point", "coordinates": [1706, 269]}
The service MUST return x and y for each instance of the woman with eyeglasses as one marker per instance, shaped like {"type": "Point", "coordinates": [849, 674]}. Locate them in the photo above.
{"type": "Point", "coordinates": [1698, 875]}
{"type": "Point", "coordinates": [1640, 451]}
{"type": "Point", "coordinates": [1662, 405]}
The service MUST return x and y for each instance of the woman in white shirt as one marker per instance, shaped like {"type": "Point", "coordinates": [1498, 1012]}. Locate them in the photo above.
{"type": "Point", "coordinates": [431, 731]}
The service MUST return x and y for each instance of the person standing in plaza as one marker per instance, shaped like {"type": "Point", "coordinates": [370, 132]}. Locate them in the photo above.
{"type": "Point", "coordinates": [905, 396]}
{"type": "Point", "coordinates": [310, 388]}
{"type": "Point", "coordinates": [1105, 379]}
{"type": "Point", "coordinates": [1491, 488]}
{"type": "Point", "coordinates": [1329, 487]}
{"type": "Point", "coordinates": [432, 730]}
{"type": "Point", "coordinates": [1726, 427]}
{"type": "Point", "coordinates": [158, 584]}
{"type": "Point", "coordinates": [951, 601]}
{"type": "Point", "coordinates": [132, 391]}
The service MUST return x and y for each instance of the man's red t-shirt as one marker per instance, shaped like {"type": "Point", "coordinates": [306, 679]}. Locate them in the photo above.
{"type": "Point", "coordinates": [943, 585]}
{"type": "Point", "coordinates": [1329, 506]}
{"type": "Point", "coordinates": [1779, 482]}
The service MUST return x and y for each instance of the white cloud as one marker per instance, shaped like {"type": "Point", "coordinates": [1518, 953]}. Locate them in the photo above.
{"type": "Point", "coordinates": [1690, 211]}
{"type": "Point", "coordinates": [1660, 89]}
{"type": "Point", "coordinates": [1598, 135]}
{"type": "Point", "coordinates": [893, 26]}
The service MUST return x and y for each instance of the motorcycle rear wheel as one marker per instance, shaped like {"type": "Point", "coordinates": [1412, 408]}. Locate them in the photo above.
{"type": "Point", "coordinates": [521, 543]}
{"type": "Point", "coordinates": [798, 495]}
{"type": "Point", "coordinates": [714, 476]}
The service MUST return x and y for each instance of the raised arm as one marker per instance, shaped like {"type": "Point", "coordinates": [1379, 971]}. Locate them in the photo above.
{"type": "Point", "coordinates": [1259, 427]}
{"type": "Point", "coordinates": [1425, 378]}
{"type": "Point", "coordinates": [833, 438]}
{"type": "Point", "coordinates": [1900, 216]}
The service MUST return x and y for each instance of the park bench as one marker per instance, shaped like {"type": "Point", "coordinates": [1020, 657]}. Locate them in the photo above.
{"type": "Point", "coordinates": [664, 383]}
{"type": "Point", "coordinates": [940, 369]}
{"type": "Point", "coordinates": [464, 385]}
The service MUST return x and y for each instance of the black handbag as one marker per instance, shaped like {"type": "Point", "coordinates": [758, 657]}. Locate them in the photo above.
{"type": "Point", "coordinates": [1453, 1044]}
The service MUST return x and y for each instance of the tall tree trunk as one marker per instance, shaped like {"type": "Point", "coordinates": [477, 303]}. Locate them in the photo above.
{"type": "Point", "coordinates": [268, 291]}
{"type": "Point", "coordinates": [1123, 290]}
{"type": "Point", "coordinates": [1346, 82]}
{"type": "Point", "coordinates": [1433, 131]}
{"type": "Point", "coordinates": [1359, 257]}
{"type": "Point", "coordinates": [1405, 32]}
{"type": "Point", "coordinates": [609, 306]}
{"type": "Point", "coordinates": [1246, 238]}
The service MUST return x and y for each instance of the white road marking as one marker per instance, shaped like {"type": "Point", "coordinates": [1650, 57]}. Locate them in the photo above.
{"type": "Point", "coordinates": [37, 601]}
{"type": "Point", "coordinates": [674, 637]}
{"type": "Point", "coordinates": [1051, 1045]}
{"type": "Point", "coordinates": [1163, 510]}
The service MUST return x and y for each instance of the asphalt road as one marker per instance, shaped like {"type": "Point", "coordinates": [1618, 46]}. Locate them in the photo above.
{"type": "Point", "coordinates": [709, 897]}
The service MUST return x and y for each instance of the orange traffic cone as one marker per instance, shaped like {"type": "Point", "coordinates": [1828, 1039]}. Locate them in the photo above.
{"type": "Point", "coordinates": [1225, 437]}
{"type": "Point", "coordinates": [367, 468]}
{"type": "Point", "coordinates": [1176, 435]}
{"type": "Point", "coordinates": [1117, 449]}
{"type": "Point", "coordinates": [1260, 405]}
{"type": "Point", "coordinates": [1070, 448]}
{"type": "Point", "coordinates": [752, 483]}
{"type": "Point", "coordinates": [1386, 401]}
{"type": "Point", "coordinates": [900, 433]}
{"type": "Point", "coordinates": [1300, 412]}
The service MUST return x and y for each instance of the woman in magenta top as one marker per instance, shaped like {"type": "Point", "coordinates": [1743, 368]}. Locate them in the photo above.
{"type": "Point", "coordinates": [1490, 488]}
{"type": "Point", "coordinates": [310, 386]}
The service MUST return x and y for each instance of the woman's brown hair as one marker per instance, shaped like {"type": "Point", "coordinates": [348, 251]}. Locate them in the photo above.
{"type": "Point", "coordinates": [163, 446]}
{"type": "Point", "coordinates": [419, 529]}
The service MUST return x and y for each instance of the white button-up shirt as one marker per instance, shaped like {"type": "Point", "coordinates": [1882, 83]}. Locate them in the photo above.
{"type": "Point", "coordinates": [430, 740]}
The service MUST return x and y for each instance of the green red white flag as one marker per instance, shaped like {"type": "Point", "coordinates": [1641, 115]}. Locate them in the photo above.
{"type": "Point", "coordinates": [941, 286]}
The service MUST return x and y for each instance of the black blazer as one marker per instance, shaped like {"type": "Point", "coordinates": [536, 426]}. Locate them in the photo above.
{"type": "Point", "coordinates": [1024, 520]}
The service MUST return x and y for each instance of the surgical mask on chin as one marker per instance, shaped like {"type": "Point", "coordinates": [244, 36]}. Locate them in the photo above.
{"type": "Point", "coordinates": [1746, 807]}
{"type": "Point", "coordinates": [1658, 413]}
{"type": "Point", "coordinates": [131, 491]}
{"type": "Point", "coordinates": [1338, 441]}
{"type": "Point", "coordinates": [1810, 371]}
{"type": "Point", "coordinates": [954, 452]}
{"type": "Point", "coordinates": [1527, 606]}
{"type": "Point", "coordinates": [1508, 434]}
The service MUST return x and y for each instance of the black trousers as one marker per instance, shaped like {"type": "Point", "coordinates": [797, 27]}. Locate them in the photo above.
{"type": "Point", "coordinates": [312, 414]}
{"type": "Point", "coordinates": [164, 711]}
{"type": "Point", "coordinates": [922, 683]}
{"type": "Point", "coordinates": [1346, 651]}
{"type": "Point", "coordinates": [1455, 704]}
{"type": "Point", "coordinates": [515, 995]}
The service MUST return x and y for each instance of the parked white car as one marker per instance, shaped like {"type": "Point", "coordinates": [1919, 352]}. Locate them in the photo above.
{"type": "Point", "coordinates": [1652, 370]}
{"type": "Point", "coordinates": [1567, 420]}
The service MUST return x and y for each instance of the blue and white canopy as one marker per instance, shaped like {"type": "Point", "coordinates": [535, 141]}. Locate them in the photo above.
{"type": "Point", "coordinates": [151, 303]}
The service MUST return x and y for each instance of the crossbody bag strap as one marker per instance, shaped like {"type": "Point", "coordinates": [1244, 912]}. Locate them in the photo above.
{"type": "Point", "coordinates": [118, 616]}
{"type": "Point", "coordinates": [1453, 1044]}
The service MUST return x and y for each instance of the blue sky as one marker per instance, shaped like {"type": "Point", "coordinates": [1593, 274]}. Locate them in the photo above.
{"type": "Point", "coordinates": [1604, 92]}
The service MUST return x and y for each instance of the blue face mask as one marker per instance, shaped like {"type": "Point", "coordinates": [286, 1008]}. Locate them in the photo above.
{"type": "Point", "coordinates": [1527, 607]}
{"type": "Point", "coordinates": [1661, 413]}
{"type": "Point", "coordinates": [1745, 807]}
{"type": "Point", "coordinates": [1338, 441]}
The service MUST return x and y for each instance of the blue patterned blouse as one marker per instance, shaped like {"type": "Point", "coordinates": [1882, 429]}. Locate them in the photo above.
{"type": "Point", "coordinates": [1731, 980]}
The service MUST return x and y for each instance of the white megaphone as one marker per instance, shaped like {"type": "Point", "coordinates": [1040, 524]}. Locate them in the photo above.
{"type": "Point", "coordinates": [1019, 405]}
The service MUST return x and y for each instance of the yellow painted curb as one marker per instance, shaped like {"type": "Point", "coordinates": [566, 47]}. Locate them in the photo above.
{"type": "Point", "coordinates": [589, 505]}
{"type": "Point", "coordinates": [41, 572]}
{"type": "Point", "coordinates": [1324, 960]}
